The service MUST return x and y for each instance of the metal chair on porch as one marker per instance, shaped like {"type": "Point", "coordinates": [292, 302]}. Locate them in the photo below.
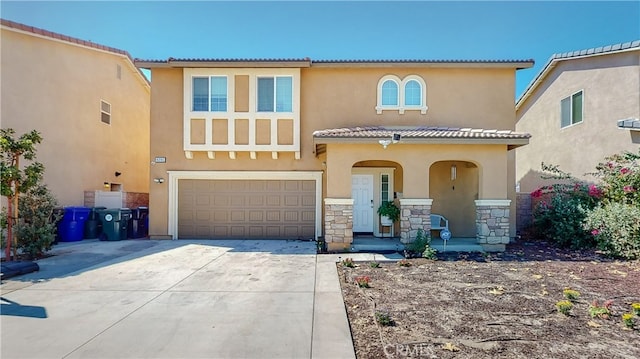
{"type": "Point", "coordinates": [439, 223]}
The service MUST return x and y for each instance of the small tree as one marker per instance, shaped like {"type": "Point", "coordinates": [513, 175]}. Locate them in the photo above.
{"type": "Point", "coordinates": [36, 227]}
{"type": "Point", "coordinates": [15, 180]}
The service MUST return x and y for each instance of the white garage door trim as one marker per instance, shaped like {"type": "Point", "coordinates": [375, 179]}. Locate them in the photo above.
{"type": "Point", "coordinates": [175, 176]}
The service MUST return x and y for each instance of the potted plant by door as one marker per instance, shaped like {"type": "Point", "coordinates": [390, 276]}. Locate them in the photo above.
{"type": "Point", "coordinates": [388, 212]}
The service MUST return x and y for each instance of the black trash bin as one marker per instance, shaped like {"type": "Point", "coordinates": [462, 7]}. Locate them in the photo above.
{"type": "Point", "coordinates": [139, 223]}
{"type": "Point", "coordinates": [93, 225]}
{"type": "Point", "coordinates": [115, 222]}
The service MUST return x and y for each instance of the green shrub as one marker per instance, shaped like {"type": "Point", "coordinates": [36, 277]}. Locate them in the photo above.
{"type": "Point", "coordinates": [564, 307]}
{"type": "Point", "coordinates": [421, 246]}
{"type": "Point", "coordinates": [561, 221]}
{"type": "Point", "coordinates": [571, 294]}
{"type": "Point", "coordinates": [628, 320]}
{"type": "Point", "coordinates": [616, 228]}
{"type": "Point", "coordinates": [561, 208]}
{"type": "Point", "coordinates": [36, 228]}
{"type": "Point", "coordinates": [348, 262]}
{"type": "Point", "coordinates": [384, 319]}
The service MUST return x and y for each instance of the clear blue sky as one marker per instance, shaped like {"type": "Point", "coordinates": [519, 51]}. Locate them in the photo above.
{"type": "Point", "coordinates": [387, 30]}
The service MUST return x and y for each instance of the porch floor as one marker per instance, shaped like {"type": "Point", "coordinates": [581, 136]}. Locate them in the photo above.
{"type": "Point", "coordinates": [375, 244]}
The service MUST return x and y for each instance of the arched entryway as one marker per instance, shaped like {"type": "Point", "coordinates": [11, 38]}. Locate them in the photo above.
{"type": "Point", "coordinates": [453, 186]}
{"type": "Point", "coordinates": [373, 182]}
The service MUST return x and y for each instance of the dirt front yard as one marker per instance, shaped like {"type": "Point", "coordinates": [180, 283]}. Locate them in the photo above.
{"type": "Point", "coordinates": [494, 305]}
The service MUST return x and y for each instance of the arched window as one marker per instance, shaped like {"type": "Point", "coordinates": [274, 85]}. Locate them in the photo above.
{"type": "Point", "coordinates": [400, 95]}
{"type": "Point", "coordinates": [389, 93]}
{"type": "Point", "coordinates": [412, 93]}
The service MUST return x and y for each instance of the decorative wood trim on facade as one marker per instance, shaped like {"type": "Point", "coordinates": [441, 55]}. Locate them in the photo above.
{"type": "Point", "coordinates": [247, 130]}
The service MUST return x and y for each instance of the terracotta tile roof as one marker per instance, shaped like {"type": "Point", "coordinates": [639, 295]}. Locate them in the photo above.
{"type": "Point", "coordinates": [234, 60]}
{"type": "Point", "coordinates": [629, 124]}
{"type": "Point", "coordinates": [564, 56]}
{"type": "Point", "coordinates": [186, 62]}
{"type": "Point", "coordinates": [424, 62]}
{"type": "Point", "coordinates": [376, 132]}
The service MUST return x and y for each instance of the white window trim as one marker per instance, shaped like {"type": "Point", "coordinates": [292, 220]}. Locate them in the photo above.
{"type": "Point", "coordinates": [401, 107]}
{"type": "Point", "coordinates": [105, 112]}
{"type": "Point", "coordinates": [570, 97]}
{"type": "Point", "coordinates": [175, 176]}
{"type": "Point", "coordinates": [275, 93]}
{"type": "Point", "coordinates": [208, 77]}
{"type": "Point", "coordinates": [252, 115]}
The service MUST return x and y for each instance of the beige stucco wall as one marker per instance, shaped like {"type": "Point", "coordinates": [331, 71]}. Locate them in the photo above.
{"type": "Point", "coordinates": [611, 85]}
{"type": "Point", "coordinates": [338, 97]}
{"type": "Point", "coordinates": [56, 88]}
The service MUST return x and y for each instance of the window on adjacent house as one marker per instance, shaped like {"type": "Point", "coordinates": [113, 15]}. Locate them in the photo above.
{"type": "Point", "coordinates": [209, 94]}
{"type": "Point", "coordinates": [571, 110]}
{"type": "Point", "coordinates": [105, 112]}
{"type": "Point", "coordinates": [399, 95]}
{"type": "Point", "coordinates": [275, 94]}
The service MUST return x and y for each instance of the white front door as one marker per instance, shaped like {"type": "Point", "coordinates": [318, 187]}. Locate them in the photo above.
{"type": "Point", "coordinates": [362, 194]}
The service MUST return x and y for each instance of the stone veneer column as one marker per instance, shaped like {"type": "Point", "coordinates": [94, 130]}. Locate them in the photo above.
{"type": "Point", "coordinates": [338, 223]}
{"type": "Point", "coordinates": [492, 223]}
{"type": "Point", "coordinates": [415, 214]}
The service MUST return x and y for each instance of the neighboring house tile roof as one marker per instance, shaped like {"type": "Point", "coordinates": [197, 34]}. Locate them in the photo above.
{"type": "Point", "coordinates": [629, 124]}
{"type": "Point", "coordinates": [307, 62]}
{"type": "Point", "coordinates": [419, 135]}
{"type": "Point", "coordinates": [56, 36]}
{"type": "Point", "coordinates": [431, 132]}
{"type": "Point", "coordinates": [564, 56]}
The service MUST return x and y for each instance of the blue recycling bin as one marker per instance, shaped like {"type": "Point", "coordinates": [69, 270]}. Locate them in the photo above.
{"type": "Point", "coordinates": [71, 227]}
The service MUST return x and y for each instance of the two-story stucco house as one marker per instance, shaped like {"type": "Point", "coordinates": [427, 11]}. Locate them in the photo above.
{"type": "Point", "coordinates": [581, 107]}
{"type": "Point", "coordinates": [89, 102]}
{"type": "Point", "coordinates": [297, 148]}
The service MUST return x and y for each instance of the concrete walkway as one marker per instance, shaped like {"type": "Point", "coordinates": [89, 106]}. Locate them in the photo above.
{"type": "Point", "coordinates": [178, 299]}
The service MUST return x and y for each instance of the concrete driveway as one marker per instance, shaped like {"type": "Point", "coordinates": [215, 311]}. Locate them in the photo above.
{"type": "Point", "coordinates": [177, 299]}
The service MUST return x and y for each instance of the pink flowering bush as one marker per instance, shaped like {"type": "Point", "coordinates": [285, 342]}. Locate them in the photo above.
{"type": "Point", "coordinates": [615, 224]}
{"type": "Point", "coordinates": [558, 216]}
{"type": "Point", "coordinates": [620, 175]}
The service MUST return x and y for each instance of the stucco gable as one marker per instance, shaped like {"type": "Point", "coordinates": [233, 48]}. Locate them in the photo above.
{"type": "Point", "coordinates": [573, 55]}
{"type": "Point", "coordinates": [46, 34]}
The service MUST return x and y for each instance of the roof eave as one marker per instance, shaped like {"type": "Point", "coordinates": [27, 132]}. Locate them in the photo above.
{"type": "Point", "coordinates": [518, 65]}
{"type": "Point", "coordinates": [517, 142]}
{"type": "Point", "coordinates": [221, 64]}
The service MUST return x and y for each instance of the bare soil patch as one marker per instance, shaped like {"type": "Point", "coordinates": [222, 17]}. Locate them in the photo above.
{"type": "Point", "coordinates": [500, 305]}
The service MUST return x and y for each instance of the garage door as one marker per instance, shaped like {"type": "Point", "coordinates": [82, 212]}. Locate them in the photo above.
{"type": "Point", "coordinates": [246, 209]}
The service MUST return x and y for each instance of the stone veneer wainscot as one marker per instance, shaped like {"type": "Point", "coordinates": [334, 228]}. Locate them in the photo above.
{"type": "Point", "coordinates": [415, 214]}
{"type": "Point", "coordinates": [338, 223]}
{"type": "Point", "coordinates": [492, 223]}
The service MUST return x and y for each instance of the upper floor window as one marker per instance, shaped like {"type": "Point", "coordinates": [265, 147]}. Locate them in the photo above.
{"type": "Point", "coordinates": [571, 110]}
{"type": "Point", "coordinates": [389, 93]}
{"type": "Point", "coordinates": [209, 94]}
{"type": "Point", "coordinates": [399, 95]}
{"type": "Point", "coordinates": [275, 94]}
{"type": "Point", "coordinates": [412, 93]}
{"type": "Point", "coordinates": [105, 112]}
